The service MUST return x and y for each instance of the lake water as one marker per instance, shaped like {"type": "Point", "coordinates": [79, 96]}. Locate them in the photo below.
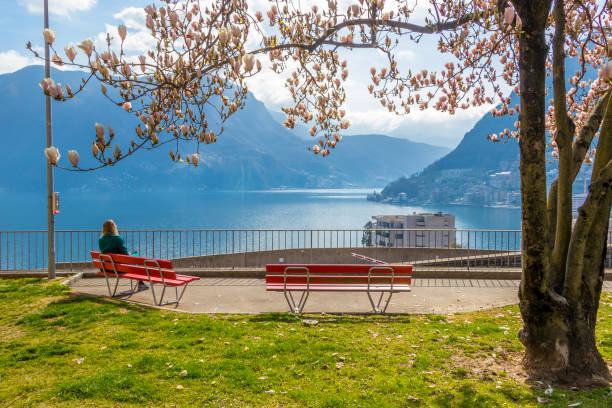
{"type": "Point", "coordinates": [287, 209]}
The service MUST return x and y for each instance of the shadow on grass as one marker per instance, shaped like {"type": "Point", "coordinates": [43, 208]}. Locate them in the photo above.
{"type": "Point", "coordinates": [329, 318]}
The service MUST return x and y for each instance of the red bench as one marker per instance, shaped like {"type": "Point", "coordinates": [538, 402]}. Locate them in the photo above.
{"type": "Point", "coordinates": [134, 268]}
{"type": "Point", "coordinates": [338, 278]}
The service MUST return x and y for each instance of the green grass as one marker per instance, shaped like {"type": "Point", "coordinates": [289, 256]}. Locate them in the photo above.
{"type": "Point", "coordinates": [134, 356]}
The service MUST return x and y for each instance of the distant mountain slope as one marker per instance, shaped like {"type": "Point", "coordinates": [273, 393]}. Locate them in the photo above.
{"type": "Point", "coordinates": [462, 175]}
{"type": "Point", "coordinates": [255, 152]}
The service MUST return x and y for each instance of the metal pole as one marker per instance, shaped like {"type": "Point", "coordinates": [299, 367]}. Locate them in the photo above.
{"type": "Point", "coordinates": [50, 215]}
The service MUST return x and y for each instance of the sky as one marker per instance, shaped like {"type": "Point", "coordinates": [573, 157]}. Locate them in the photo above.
{"type": "Point", "coordinates": [74, 20]}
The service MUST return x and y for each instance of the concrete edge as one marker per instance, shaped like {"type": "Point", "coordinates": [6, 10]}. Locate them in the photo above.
{"type": "Point", "coordinates": [72, 279]}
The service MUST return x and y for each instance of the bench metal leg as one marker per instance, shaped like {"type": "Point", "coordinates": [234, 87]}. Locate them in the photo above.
{"type": "Point", "coordinates": [299, 306]}
{"type": "Point", "coordinates": [376, 305]}
{"type": "Point", "coordinates": [176, 300]}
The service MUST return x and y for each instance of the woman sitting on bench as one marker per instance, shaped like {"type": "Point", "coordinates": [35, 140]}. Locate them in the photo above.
{"type": "Point", "coordinates": [111, 243]}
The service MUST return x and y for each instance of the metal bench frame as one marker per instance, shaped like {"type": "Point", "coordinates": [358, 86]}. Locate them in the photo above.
{"type": "Point", "coordinates": [134, 287]}
{"type": "Point", "coordinates": [298, 307]}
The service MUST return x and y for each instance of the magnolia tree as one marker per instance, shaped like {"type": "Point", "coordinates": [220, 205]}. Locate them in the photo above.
{"type": "Point", "coordinates": [204, 53]}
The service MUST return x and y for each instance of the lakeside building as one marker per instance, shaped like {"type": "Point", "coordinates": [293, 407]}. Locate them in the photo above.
{"type": "Point", "coordinates": [419, 230]}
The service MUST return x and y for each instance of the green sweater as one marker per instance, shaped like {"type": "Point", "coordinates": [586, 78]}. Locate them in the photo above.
{"type": "Point", "coordinates": [112, 244]}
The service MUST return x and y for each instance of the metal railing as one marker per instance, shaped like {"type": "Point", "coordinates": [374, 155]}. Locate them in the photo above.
{"type": "Point", "coordinates": [26, 250]}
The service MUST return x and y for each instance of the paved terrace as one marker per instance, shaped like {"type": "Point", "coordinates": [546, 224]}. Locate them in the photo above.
{"type": "Point", "coordinates": [249, 295]}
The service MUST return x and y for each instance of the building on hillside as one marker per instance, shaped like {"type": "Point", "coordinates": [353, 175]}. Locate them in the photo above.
{"type": "Point", "coordinates": [416, 230]}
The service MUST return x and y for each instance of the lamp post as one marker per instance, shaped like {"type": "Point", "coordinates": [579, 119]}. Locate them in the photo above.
{"type": "Point", "coordinates": [50, 197]}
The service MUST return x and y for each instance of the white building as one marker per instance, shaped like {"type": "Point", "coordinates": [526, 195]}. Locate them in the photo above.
{"type": "Point", "coordinates": [416, 230]}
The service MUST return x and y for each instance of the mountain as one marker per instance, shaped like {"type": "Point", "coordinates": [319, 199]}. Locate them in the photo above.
{"type": "Point", "coordinates": [478, 171]}
{"type": "Point", "coordinates": [254, 152]}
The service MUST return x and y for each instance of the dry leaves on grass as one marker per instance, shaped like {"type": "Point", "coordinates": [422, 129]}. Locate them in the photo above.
{"type": "Point", "coordinates": [491, 367]}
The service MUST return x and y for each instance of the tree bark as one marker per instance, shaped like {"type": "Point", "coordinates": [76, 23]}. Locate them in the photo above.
{"type": "Point", "coordinates": [544, 312]}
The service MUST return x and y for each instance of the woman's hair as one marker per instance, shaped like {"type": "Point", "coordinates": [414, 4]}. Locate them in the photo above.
{"type": "Point", "coordinates": [109, 227]}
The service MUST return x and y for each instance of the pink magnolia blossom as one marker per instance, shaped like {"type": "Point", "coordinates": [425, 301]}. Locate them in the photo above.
{"type": "Point", "coordinates": [316, 149]}
{"type": "Point", "coordinates": [94, 149]}
{"type": "Point", "coordinates": [56, 91]}
{"type": "Point", "coordinates": [47, 84]}
{"type": "Point", "coordinates": [99, 132]}
{"type": "Point", "coordinates": [57, 60]}
{"type": "Point", "coordinates": [605, 71]}
{"type": "Point", "coordinates": [508, 15]}
{"type": "Point", "coordinates": [122, 32]}
{"type": "Point", "coordinates": [142, 59]}
{"type": "Point", "coordinates": [224, 35]}
{"type": "Point", "coordinates": [86, 46]}
{"type": "Point", "coordinates": [195, 159]}
{"type": "Point", "coordinates": [49, 36]}
{"type": "Point", "coordinates": [73, 156]}
{"type": "Point", "coordinates": [249, 62]}
{"type": "Point", "coordinates": [127, 106]}
{"type": "Point", "coordinates": [70, 52]}
{"type": "Point", "coordinates": [53, 155]}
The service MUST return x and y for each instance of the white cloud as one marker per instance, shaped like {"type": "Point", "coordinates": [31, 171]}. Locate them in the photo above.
{"type": "Point", "coordinates": [138, 40]}
{"type": "Point", "coordinates": [11, 61]}
{"type": "Point", "coordinates": [59, 7]}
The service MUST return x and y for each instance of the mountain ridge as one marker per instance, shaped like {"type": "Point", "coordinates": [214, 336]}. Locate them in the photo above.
{"type": "Point", "coordinates": [254, 152]}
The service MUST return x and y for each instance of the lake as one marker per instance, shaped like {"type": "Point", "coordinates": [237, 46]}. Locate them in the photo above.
{"type": "Point", "coordinates": [277, 209]}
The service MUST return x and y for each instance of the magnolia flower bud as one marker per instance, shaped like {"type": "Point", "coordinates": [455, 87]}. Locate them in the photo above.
{"type": "Point", "coordinates": [127, 71]}
{"type": "Point", "coordinates": [259, 16]}
{"type": "Point", "coordinates": [46, 84]}
{"type": "Point", "coordinates": [605, 71]}
{"type": "Point", "coordinates": [249, 62]}
{"type": "Point", "coordinates": [53, 155]}
{"type": "Point", "coordinates": [100, 132]}
{"type": "Point", "coordinates": [49, 36]}
{"type": "Point", "coordinates": [224, 35]}
{"type": "Point", "coordinates": [87, 46]}
{"type": "Point", "coordinates": [610, 47]}
{"type": "Point", "coordinates": [316, 149]}
{"type": "Point", "coordinates": [355, 9]}
{"type": "Point", "coordinates": [56, 91]}
{"type": "Point", "coordinates": [122, 31]}
{"type": "Point", "coordinates": [195, 159]}
{"type": "Point", "coordinates": [184, 129]}
{"type": "Point", "coordinates": [127, 106]}
{"type": "Point", "coordinates": [57, 60]}
{"type": "Point", "coordinates": [70, 52]}
{"type": "Point", "coordinates": [508, 15]}
{"type": "Point", "coordinates": [117, 152]}
{"type": "Point", "coordinates": [94, 149]}
{"type": "Point", "coordinates": [73, 156]}
{"type": "Point", "coordinates": [150, 23]}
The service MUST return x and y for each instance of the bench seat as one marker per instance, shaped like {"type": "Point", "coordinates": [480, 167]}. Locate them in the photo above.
{"type": "Point", "coordinates": [337, 288]}
{"type": "Point", "coordinates": [134, 268]}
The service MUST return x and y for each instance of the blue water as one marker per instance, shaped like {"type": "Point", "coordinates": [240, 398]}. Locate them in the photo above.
{"type": "Point", "coordinates": [288, 209]}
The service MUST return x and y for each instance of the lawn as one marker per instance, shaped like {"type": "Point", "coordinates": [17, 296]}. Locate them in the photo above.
{"type": "Point", "coordinates": [61, 349]}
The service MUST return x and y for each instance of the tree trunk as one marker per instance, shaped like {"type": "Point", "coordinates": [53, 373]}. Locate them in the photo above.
{"type": "Point", "coordinates": [558, 328]}
{"type": "Point", "coordinates": [558, 334]}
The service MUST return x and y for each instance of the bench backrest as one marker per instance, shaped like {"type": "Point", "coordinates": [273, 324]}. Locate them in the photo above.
{"type": "Point", "coordinates": [133, 264]}
{"type": "Point", "coordinates": [338, 273]}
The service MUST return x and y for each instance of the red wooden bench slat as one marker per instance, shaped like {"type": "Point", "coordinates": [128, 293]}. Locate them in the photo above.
{"type": "Point", "coordinates": [338, 288]}
{"type": "Point", "coordinates": [134, 260]}
{"type": "Point", "coordinates": [342, 279]}
{"type": "Point", "coordinates": [125, 268]}
{"type": "Point", "coordinates": [339, 268]}
{"type": "Point", "coordinates": [144, 278]}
